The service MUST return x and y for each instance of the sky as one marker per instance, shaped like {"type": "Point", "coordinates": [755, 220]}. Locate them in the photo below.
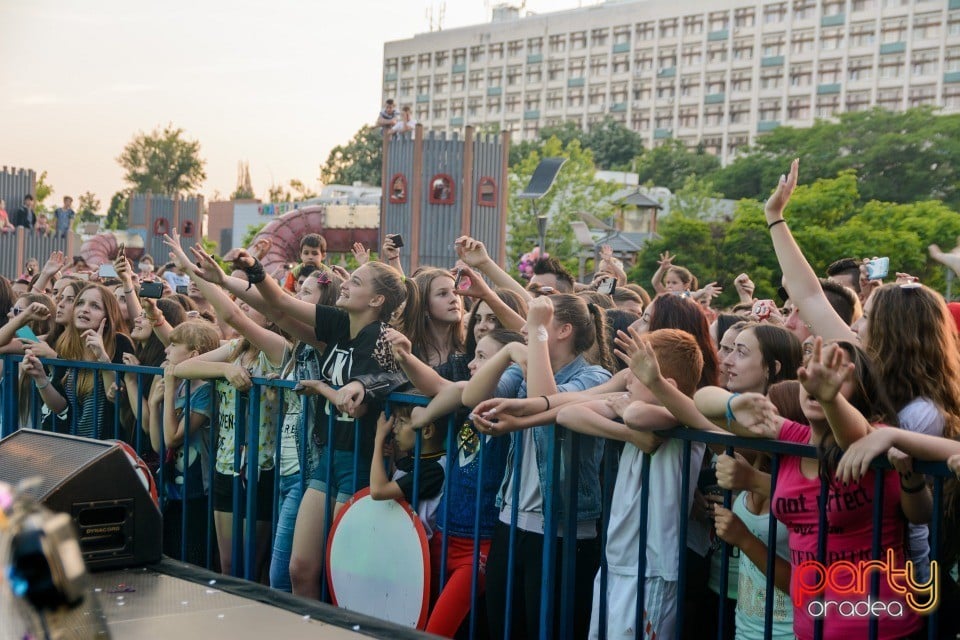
{"type": "Point", "coordinates": [277, 83]}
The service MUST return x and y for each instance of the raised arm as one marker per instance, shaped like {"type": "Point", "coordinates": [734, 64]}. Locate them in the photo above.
{"type": "Point", "coordinates": [390, 253]}
{"type": "Point", "coordinates": [36, 311]}
{"type": "Point", "coordinates": [381, 487]}
{"type": "Point", "coordinates": [799, 279]}
{"type": "Point", "coordinates": [125, 273]}
{"type": "Point", "coordinates": [52, 267]}
{"type": "Point", "coordinates": [540, 380]}
{"type": "Point", "coordinates": [473, 285]}
{"type": "Point", "coordinates": [822, 377]}
{"type": "Point", "coordinates": [484, 382]}
{"type": "Point", "coordinates": [474, 253]}
{"type": "Point", "coordinates": [665, 262]}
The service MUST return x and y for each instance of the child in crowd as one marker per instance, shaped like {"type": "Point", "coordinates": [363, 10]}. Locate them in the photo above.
{"type": "Point", "coordinates": [313, 251]}
{"type": "Point", "coordinates": [433, 462]}
{"type": "Point", "coordinates": [681, 363]}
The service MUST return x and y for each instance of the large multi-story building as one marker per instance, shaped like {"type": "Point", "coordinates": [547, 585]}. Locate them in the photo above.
{"type": "Point", "coordinates": [711, 72]}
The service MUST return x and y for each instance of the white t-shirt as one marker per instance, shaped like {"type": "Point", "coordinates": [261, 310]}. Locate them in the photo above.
{"type": "Point", "coordinates": [663, 509]}
{"type": "Point", "coordinates": [921, 415]}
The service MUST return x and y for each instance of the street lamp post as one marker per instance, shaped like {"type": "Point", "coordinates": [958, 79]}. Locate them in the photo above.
{"type": "Point", "coordinates": [542, 233]}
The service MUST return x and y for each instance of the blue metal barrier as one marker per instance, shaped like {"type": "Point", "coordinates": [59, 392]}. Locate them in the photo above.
{"type": "Point", "coordinates": [559, 551]}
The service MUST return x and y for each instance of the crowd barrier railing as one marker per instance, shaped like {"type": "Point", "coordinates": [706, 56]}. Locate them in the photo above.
{"type": "Point", "coordinates": [560, 501]}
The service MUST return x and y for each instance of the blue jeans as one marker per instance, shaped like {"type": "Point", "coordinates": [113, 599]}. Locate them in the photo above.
{"type": "Point", "coordinates": [290, 495]}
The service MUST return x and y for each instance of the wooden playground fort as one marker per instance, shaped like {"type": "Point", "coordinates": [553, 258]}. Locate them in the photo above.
{"type": "Point", "coordinates": [436, 189]}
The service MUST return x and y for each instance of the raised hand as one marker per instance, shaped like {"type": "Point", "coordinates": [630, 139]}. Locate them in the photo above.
{"type": "Point", "coordinates": [53, 264]}
{"type": "Point", "coordinates": [361, 253]}
{"type": "Point", "coordinates": [34, 311]}
{"type": "Point", "coordinates": [666, 260]}
{"type": "Point", "coordinates": [260, 248]}
{"type": "Point", "coordinates": [828, 368]}
{"type": "Point", "coordinates": [93, 340]}
{"type": "Point", "coordinates": [745, 287]}
{"type": "Point", "coordinates": [389, 251]}
{"type": "Point", "coordinates": [471, 283]}
{"type": "Point", "coordinates": [539, 313]}
{"type": "Point", "coordinates": [206, 267]}
{"type": "Point", "coordinates": [124, 270]}
{"type": "Point", "coordinates": [243, 260]}
{"type": "Point", "coordinates": [781, 195]}
{"type": "Point", "coordinates": [950, 259]}
{"type": "Point", "coordinates": [340, 271]}
{"type": "Point", "coordinates": [637, 353]}
{"type": "Point", "coordinates": [471, 251]}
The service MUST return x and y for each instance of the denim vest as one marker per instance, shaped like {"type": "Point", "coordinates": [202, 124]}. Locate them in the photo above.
{"type": "Point", "coordinates": [579, 375]}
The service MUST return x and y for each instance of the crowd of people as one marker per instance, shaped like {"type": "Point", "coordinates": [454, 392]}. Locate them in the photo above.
{"type": "Point", "coordinates": [27, 216]}
{"type": "Point", "coordinates": [850, 365]}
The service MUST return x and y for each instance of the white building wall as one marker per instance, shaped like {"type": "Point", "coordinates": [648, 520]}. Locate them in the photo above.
{"type": "Point", "coordinates": [716, 72]}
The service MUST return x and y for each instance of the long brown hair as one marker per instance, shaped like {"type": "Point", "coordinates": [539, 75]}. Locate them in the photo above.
{"type": "Point", "coordinates": [418, 329]}
{"type": "Point", "coordinates": [510, 298]}
{"type": "Point", "coordinates": [71, 345]}
{"type": "Point", "coordinates": [400, 295]}
{"type": "Point", "coordinates": [913, 340]}
{"type": "Point", "coordinates": [589, 327]}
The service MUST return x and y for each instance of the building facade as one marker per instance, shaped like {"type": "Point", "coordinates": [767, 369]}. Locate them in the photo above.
{"type": "Point", "coordinates": [711, 72]}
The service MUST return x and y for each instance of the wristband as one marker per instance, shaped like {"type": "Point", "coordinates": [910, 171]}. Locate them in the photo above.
{"type": "Point", "coordinates": [917, 489]}
{"type": "Point", "coordinates": [255, 273]}
{"type": "Point", "coordinates": [128, 291]}
{"type": "Point", "coordinates": [542, 334]}
{"type": "Point", "coordinates": [775, 223]}
{"type": "Point", "coordinates": [45, 385]}
{"type": "Point", "coordinates": [730, 417]}
{"type": "Point", "coordinates": [547, 400]}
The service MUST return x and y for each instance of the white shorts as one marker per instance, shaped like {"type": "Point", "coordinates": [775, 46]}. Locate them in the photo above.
{"type": "Point", "coordinates": [659, 604]}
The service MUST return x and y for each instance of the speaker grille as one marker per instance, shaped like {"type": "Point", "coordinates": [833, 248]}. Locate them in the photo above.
{"type": "Point", "coordinates": [54, 458]}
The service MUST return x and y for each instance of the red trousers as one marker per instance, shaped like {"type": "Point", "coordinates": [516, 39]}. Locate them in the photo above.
{"type": "Point", "coordinates": [454, 603]}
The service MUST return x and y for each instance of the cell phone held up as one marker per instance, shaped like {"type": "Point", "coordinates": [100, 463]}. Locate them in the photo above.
{"type": "Point", "coordinates": [151, 290]}
{"type": "Point", "coordinates": [878, 268]}
{"type": "Point", "coordinates": [607, 286]}
{"type": "Point", "coordinates": [397, 240]}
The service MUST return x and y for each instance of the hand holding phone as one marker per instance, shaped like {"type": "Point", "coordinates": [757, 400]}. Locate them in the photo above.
{"type": "Point", "coordinates": [26, 334]}
{"type": "Point", "coordinates": [607, 286]}
{"type": "Point", "coordinates": [878, 268]}
{"type": "Point", "coordinates": [397, 240]}
{"type": "Point", "coordinates": [107, 270]}
{"type": "Point", "coordinates": [152, 290]}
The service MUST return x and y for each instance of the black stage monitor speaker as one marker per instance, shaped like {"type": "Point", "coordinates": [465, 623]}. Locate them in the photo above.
{"type": "Point", "coordinates": [96, 482]}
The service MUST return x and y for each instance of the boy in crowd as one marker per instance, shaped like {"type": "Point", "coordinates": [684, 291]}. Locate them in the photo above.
{"type": "Point", "coordinates": [313, 251]}
{"type": "Point", "coordinates": [680, 362]}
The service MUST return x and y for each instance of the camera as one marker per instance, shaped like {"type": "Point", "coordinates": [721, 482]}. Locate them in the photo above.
{"type": "Point", "coordinates": [397, 240]}
{"type": "Point", "coordinates": [762, 309]}
{"type": "Point", "coordinates": [183, 289]}
{"type": "Point", "coordinates": [877, 268]}
{"type": "Point", "coordinates": [607, 286]}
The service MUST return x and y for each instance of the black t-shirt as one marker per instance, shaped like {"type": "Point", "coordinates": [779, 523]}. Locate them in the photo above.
{"type": "Point", "coordinates": [431, 477]}
{"type": "Point", "coordinates": [342, 361]}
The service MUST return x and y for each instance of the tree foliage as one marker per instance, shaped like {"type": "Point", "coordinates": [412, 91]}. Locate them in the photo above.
{"type": "Point", "coordinates": [88, 208]}
{"type": "Point", "coordinates": [244, 190]}
{"type": "Point", "coordinates": [359, 160]}
{"type": "Point", "coordinates": [828, 220]}
{"type": "Point", "coordinates": [614, 145]}
{"type": "Point", "coordinates": [576, 189]}
{"type": "Point", "coordinates": [295, 191]}
{"type": "Point", "coordinates": [670, 164]}
{"type": "Point", "coordinates": [41, 191]}
{"type": "Point", "coordinates": [117, 213]}
{"type": "Point", "coordinates": [163, 162]}
{"type": "Point", "coordinates": [897, 156]}
{"type": "Point", "coordinates": [251, 233]}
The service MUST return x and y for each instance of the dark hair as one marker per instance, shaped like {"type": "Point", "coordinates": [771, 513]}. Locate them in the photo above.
{"type": "Point", "coordinates": [680, 312]}
{"type": "Point", "coordinates": [504, 336]}
{"type": "Point", "coordinates": [846, 267]}
{"type": "Point", "coordinates": [184, 301]}
{"type": "Point", "coordinates": [314, 240]}
{"type": "Point", "coordinates": [602, 300]}
{"type": "Point", "coordinates": [41, 327]}
{"type": "Point", "coordinates": [28, 197]}
{"type": "Point", "coordinates": [306, 270]}
{"type": "Point", "coordinates": [7, 299]}
{"type": "Point", "coordinates": [589, 326]}
{"type": "Point", "coordinates": [418, 330]}
{"type": "Point", "coordinates": [843, 300]}
{"type": "Point", "coordinates": [509, 297]}
{"type": "Point", "coordinates": [785, 396]}
{"type": "Point", "coordinates": [390, 101]}
{"type": "Point", "coordinates": [618, 320]}
{"type": "Point", "coordinates": [151, 352]}
{"type": "Point", "coordinates": [544, 266]}
{"type": "Point", "coordinates": [622, 294]}
{"type": "Point", "coordinates": [778, 345]}
{"type": "Point", "coordinates": [725, 321]}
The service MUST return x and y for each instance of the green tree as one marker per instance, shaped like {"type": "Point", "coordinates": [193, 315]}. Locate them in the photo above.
{"type": "Point", "coordinates": [163, 161]}
{"type": "Point", "coordinates": [295, 191]}
{"type": "Point", "coordinates": [566, 132]}
{"type": "Point", "coordinates": [251, 233]}
{"type": "Point", "coordinates": [696, 199]}
{"type": "Point", "coordinates": [671, 163]}
{"type": "Point", "coordinates": [576, 189]}
{"type": "Point", "coordinates": [118, 213]}
{"type": "Point", "coordinates": [42, 191]}
{"type": "Point", "coordinates": [359, 160]}
{"type": "Point", "coordinates": [614, 145]}
{"type": "Point", "coordinates": [88, 208]}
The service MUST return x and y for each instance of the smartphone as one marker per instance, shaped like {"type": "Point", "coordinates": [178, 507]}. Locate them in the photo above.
{"type": "Point", "coordinates": [607, 286]}
{"type": "Point", "coordinates": [397, 240]}
{"type": "Point", "coordinates": [121, 249]}
{"type": "Point", "coordinates": [877, 268]}
{"type": "Point", "coordinates": [26, 334]}
{"type": "Point", "coordinates": [461, 282]}
{"type": "Point", "coordinates": [151, 290]}
{"type": "Point", "coordinates": [183, 289]}
{"type": "Point", "coordinates": [107, 271]}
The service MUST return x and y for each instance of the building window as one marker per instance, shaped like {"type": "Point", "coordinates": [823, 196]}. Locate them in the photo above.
{"type": "Point", "coordinates": [743, 50]}
{"type": "Point", "coordinates": [891, 99]}
{"type": "Point", "coordinates": [514, 48]}
{"type": "Point", "coordinates": [920, 96]}
{"type": "Point", "coordinates": [769, 110]}
{"type": "Point", "coordinates": [925, 62]}
{"type": "Point", "coordinates": [512, 103]}
{"type": "Point", "coordinates": [926, 27]}
{"type": "Point", "coordinates": [773, 45]}
{"type": "Point", "coordinates": [830, 72]}
{"type": "Point", "coordinates": [495, 77]}
{"type": "Point", "coordinates": [477, 54]}
{"type": "Point", "coordinates": [717, 54]}
{"type": "Point", "coordinates": [891, 66]}
{"type": "Point", "coordinates": [693, 25]}
{"type": "Point", "coordinates": [951, 59]}
{"type": "Point", "coordinates": [831, 39]}
{"type": "Point", "coordinates": [439, 109]}
{"type": "Point", "coordinates": [597, 96]}
{"type": "Point", "coordinates": [476, 80]}
{"type": "Point", "coordinates": [440, 84]}
{"type": "Point", "coordinates": [459, 56]}
{"type": "Point", "coordinates": [690, 86]}
{"type": "Point", "coordinates": [398, 188]}
{"type": "Point", "coordinates": [578, 40]}
{"type": "Point", "coordinates": [716, 83]}
{"type": "Point", "coordinates": [456, 85]}
{"type": "Point", "coordinates": [893, 30]}
{"type": "Point", "coordinates": [440, 58]}
{"type": "Point", "coordinates": [864, 5]}
{"type": "Point", "coordinates": [828, 105]}
{"type": "Point", "coordinates": [692, 55]}
{"type": "Point", "coordinates": [951, 95]}
{"type": "Point", "coordinates": [598, 66]}
{"type": "Point", "coordinates": [645, 31]}
{"type": "Point", "coordinates": [688, 118]}
{"type": "Point", "coordinates": [771, 78]}
{"type": "Point", "coordinates": [804, 9]}
{"type": "Point", "coordinates": [406, 63]}
{"type": "Point", "coordinates": [534, 46]}
{"type": "Point", "coordinates": [576, 68]}
{"type": "Point", "coordinates": [473, 107]}
{"type": "Point", "coordinates": [621, 64]}
{"type": "Point", "coordinates": [798, 109]}
{"type": "Point", "coordinates": [713, 116]}
{"type": "Point", "coordinates": [390, 66]}
{"type": "Point", "coordinates": [514, 73]}
{"type": "Point", "coordinates": [665, 90]}
{"type": "Point", "coordinates": [558, 44]}
{"type": "Point", "coordinates": [860, 69]}
{"type": "Point", "coordinates": [802, 41]}
{"type": "Point", "coordinates": [739, 112]}
{"type": "Point", "coordinates": [668, 58]}
{"type": "Point", "coordinates": [555, 70]}
{"type": "Point", "coordinates": [531, 102]}
{"type": "Point", "coordinates": [643, 61]}
{"type": "Point", "coordinates": [621, 35]}
{"type": "Point", "coordinates": [664, 120]}
{"type": "Point", "coordinates": [858, 100]}
{"type": "Point", "coordinates": [775, 13]}
{"type": "Point", "coordinates": [642, 92]}
{"type": "Point", "coordinates": [719, 20]}
{"type": "Point", "coordinates": [493, 106]}
{"type": "Point", "coordinates": [640, 121]}
{"type": "Point", "coordinates": [442, 189]}
{"type": "Point", "coordinates": [668, 28]}
{"type": "Point", "coordinates": [740, 83]}
{"type": "Point", "coordinates": [745, 17]}
{"type": "Point", "coordinates": [423, 85]}
{"type": "Point", "coordinates": [423, 62]}
{"type": "Point", "coordinates": [554, 100]}
{"type": "Point", "coordinates": [599, 37]}
{"type": "Point", "coordinates": [618, 93]}
{"type": "Point", "coordinates": [534, 73]}
{"type": "Point", "coordinates": [487, 192]}
{"type": "Point", "coordinates": [801, 75]}
{"type": "Point", "coordinates": [862, 35]}
{"type": "Point", "coordinates": [575, 98]}
{"type": "Point", "coordinates": [406, 87]}
{"type": "Point", "coordinates": [496, 51]}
